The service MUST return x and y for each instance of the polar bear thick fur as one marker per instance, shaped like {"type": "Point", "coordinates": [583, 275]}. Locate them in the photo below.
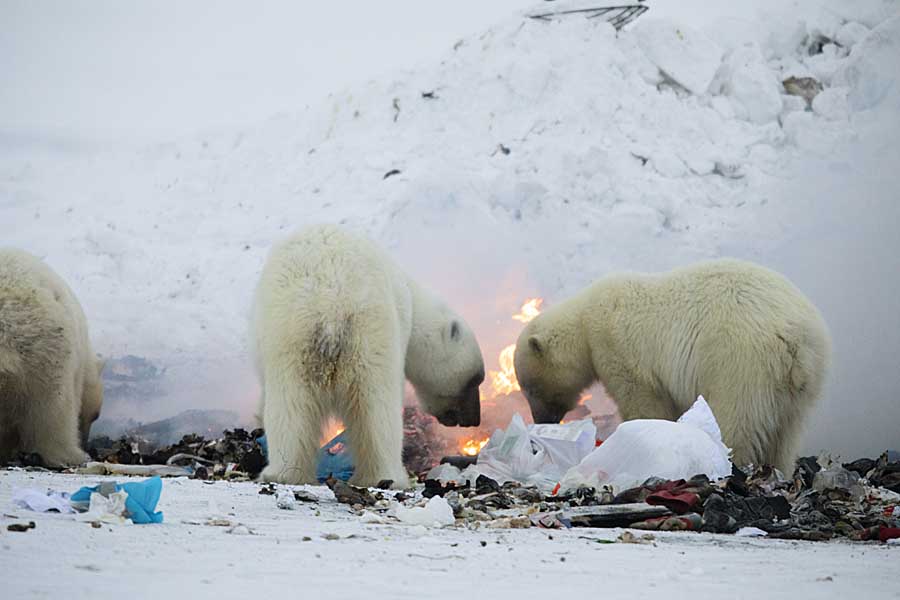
{"type": "Point", "coordinates": [50, 387]}
{"type": "Point", "coordinates": [338, 328]}
{"type": "Point", "coordinates": [739, 334]}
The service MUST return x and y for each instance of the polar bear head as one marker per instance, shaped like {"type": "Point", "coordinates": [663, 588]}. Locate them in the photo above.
{"type": "Point", "coordinates": [445, 366]}
{"type": "Point", "coordinates": [552, 364]}
{"type": "Point", "coordinates": [91, 399]}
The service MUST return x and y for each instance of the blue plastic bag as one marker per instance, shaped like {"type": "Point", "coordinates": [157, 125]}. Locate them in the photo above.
{"type": "Point", "coordinates": [141, 502]}
{"type": "Point", "coordinates": [334, 458]}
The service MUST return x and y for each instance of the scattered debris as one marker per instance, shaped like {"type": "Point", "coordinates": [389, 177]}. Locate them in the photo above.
{"type": "Point", "coordinates": [422, 441]}
{"type": "Point", "coordinates": [391, 173]}
{"type": "Point", "coordinates": [626, 537]}
{"type": "Point", "coordinates": [430, 95]}
{"type": "Point", "coordinates": [237, 455]}
{"type": "Point", "coordinates": [502, 150]}
{"type": "Point", "coordinates": [349, 494]}
{"type": "Point", "coordinates": [21, 527]}
{"type": "Point", "coordinates": [617, 16]}
{"type": "Point", "coordinates": [804, 87]}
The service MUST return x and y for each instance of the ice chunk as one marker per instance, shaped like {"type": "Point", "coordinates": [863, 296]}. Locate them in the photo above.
{"type": "Point", "coordinates": [682, 53]}
{"type": "Point", "coordinates": [751, 84]}
{"type": "Point", "coordinates": [871, 70]}
{"type": "Point", "coordinates": [851, 33]}
{"type": "Point", "coordinates": [832, 103]}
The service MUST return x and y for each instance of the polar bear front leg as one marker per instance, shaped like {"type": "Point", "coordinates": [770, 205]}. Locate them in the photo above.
{"type": "Point", "coordinates": [292, 421]}
{"type": "Point", "coordinates": [375, 429]}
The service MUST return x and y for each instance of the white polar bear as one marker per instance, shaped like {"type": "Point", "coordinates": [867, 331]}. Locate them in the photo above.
{"type": "Point", "coordinates": [739, 334]}
{"type": "Point", "coordinates": [337, 327]}
{"type": "Point", "coordinates": [50, 386]}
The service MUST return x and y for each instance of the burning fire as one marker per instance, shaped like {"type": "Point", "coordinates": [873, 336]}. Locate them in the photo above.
{"type": "Point", "coordinates": [472, 447]}
{"type": "Point", "coordinates": [332, 429]}
{"type": "Point", "coordinates": [529, 310]}
{"type": "Point", "coordinates": [503, 382]}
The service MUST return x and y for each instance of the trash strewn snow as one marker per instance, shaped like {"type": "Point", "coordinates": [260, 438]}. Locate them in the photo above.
{"type": "Point", "coordinates": [646, 448]}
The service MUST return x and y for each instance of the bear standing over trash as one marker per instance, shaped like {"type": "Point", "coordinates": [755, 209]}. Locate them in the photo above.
{"type": "Point", "coordinates": [338, 327]}
{"type": "Point", "coordinates": [739, 334]}
{"type": "Point", "coordinates": [50, 387]}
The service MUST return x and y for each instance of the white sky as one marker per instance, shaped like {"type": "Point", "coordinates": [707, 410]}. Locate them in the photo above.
{"type": "Point", "coordinates": [114, 69]}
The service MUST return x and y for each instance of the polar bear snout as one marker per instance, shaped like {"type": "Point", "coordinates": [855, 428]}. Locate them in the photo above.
{"type": "Point", "coordinates": [547, 414]}
{"type": "Point", "coordinates": [465, 409]}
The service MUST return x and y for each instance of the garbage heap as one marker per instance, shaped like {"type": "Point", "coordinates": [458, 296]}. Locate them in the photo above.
{"type": "Point", "coordinates": [237, 455]}
{"type": "Point", "coordinates": [820, 501]}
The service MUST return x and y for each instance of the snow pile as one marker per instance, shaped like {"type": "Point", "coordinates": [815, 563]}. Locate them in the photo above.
{"type": "Point", "coordinates": [536, 157]}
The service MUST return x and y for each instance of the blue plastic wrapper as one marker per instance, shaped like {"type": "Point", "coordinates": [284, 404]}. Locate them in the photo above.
{"type": "Point", "coordinates": [141, 502]}
{"type": "Point", "coordinates": [334, 458]}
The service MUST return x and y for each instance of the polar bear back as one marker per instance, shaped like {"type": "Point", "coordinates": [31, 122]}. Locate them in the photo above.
{"type": "Point", "coordinates": [317, 287]}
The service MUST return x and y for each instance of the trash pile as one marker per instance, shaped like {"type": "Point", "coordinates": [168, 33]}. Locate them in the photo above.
{"type": "Point", "coordinates": [649, 475]}
{"type": "Point", "coordinates": [422, 441]}
{"type": "Point", "coordinates": [237, 455]}
{"type": "Point", "coordinates": [240, 455]}
{"type": "Point", "coordinates": [819, 502]}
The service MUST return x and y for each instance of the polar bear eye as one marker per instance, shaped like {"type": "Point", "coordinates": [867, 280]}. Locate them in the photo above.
{"type": "Point", "coordinates": [454, 331]}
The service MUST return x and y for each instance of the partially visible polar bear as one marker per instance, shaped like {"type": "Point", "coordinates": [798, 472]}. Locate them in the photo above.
{"type": "Point", "coordinates": [338, 328]}
{"type": "Point", "coordinates": [739, 334]}
{"type": "Point", "coordinates": [50, 387]}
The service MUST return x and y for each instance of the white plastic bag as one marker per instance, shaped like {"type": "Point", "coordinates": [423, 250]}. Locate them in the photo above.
{"type": "Point", "coordinates": [646, 448]}
{"type": "Point", "coordinates": [537, 454]}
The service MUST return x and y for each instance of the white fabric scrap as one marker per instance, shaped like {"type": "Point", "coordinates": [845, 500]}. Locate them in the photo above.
{"type": "Point", "coordinates": [49, 501]}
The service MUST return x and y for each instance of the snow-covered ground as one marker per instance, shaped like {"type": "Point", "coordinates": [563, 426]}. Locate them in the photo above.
{"type": "Point", "coordinates": [287, 552]}
{"type": "Point", "coordinates": [531, 158]}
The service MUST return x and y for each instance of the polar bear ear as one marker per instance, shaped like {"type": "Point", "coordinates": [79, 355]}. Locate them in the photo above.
{"type": "Point", "coordinates": [535, 344]}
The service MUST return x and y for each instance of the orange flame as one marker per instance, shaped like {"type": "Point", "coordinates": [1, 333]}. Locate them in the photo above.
{"type": "Point", "coordinates": [503, 382]}
{"type": "Point", "coordinates": [472, 447]}
{"type": "Point", "coordinates": [529, 310]}
{"type": "Point", "coordinates": [332, 429]}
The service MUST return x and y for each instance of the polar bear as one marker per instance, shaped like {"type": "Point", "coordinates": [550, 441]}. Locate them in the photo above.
{"type": "Point", "coordinates": [337, 328]}
{"type": "Point", "coordinates": [50, 386]}
{"type": "Point", "coordinates": [737, 333]}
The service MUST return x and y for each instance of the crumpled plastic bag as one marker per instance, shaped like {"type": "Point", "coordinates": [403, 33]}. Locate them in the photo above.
{"type": "Point", "coordinates": [37, 501]}
{"type": "Point", "coordinates": [140, 502]}
{"type": "Point", "coordinates": [536, 454]}
{"type": "Point", "coordinates": [436, 513]}
{"type": "Point", "coordinates": [646, 448]}
{"type": "Point", "coordinates": [107, 509]}
{"type": "Point", "coordinates": [335, 459]}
